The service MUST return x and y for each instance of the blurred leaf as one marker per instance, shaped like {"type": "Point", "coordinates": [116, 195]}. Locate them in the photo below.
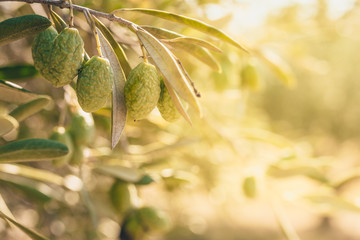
{"type": "Point", "coordinates": [27, 109]}
{"type": "Point", "coordinates": [32, 189]}
{"type": "Point", "coordinates": [266, 136]}
{"type": "Point", "coordinates": [194, 41]}
{"type": "Point", "coordinates": [169, 68]}
{"type": "Point", "coordinates": [118, 113]}
{"type": "Point", "coordinates": [31, 233]}
{"type": "Point", "coordinates": [334, 202]}
{"type": "Point", "coordinates": [32, 150]}
{"type": "Point", "coordinates": [117, 49]}
{"type": "Point", "coordinates": [279, 66]}
{"type": "Point", "coordinates": [60, 24]}
{"type": "Point", "coordinates": [249, 187]}
{"type": "Point", "coordinates": [5, 209]}
{"type": "Point", "coordinates": [283, 172]}
{"type": "Point", "coordinates": [349, 177]}
{"type": "Point", "coordinates": [13, 93]}
{"type": "Point", "coordinates": [19, 27]}
{"type": "Point", "coordinates": [33, 173]}
{"type": "Point", "coordinates": [191, 22]}
{"type": "Point", "coordinates": [19, 71]}
{"type": "Point", "coordinates": [7, 123]}
{"type": "Point", "coordinates": [145, 180]}
{"type": "Point", "coordinates": [126, 174]}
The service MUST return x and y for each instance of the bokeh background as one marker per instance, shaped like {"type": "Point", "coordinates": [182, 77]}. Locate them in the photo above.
{"type": "Point", "coordinates": [299, 143]}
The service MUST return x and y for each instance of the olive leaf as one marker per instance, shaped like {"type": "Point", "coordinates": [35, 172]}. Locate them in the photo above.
{"type": "Point", "coordinates": [19, 27]}
{"type": "Point", "coordinates": [31, 188]}
{"type": "Point", "coordinates": [167, 65]}
{"type": "Point", "coordinates": [194, 41]}
{"type": "Point", "coordinates": [119, 52]}
{"type": "Point", "coordinates": [11, 92]}
{"type": "Point", "coordinates": [5, 209]}
{"type": "Point", "coordinates": [161, 33]}
{"type": "Point", "coordinates": [334, 202]}
{"type": "Point", "coordinates": [265, 136]}
{"type": "Point", "coordinates": [169, 38]}
{"type": "Point", "coordinates": [31, 233]}
{"type": "Point", "coordinates": [311, 172]}
{"type": "Point", "coordinates": [191, 22]}
{"type": "Point", "coordinates": [27, 109]}
{"type": "Point", "coordinates": [7, 124]}
{"type": "Point", "coordinates": [278, 65]}
{"type": "Point", "coordinates": [33, 173]}
{"type": "Point", "coordinates": [118, 113]}
{"type": "Point", "coordinates": [60, 24]}
{"type": "Point", "coordinates": [126, 174]}
{"type": "Point", "coordinates": [18, 71]}
{"type": "Point", "coordinates": [32, 150]}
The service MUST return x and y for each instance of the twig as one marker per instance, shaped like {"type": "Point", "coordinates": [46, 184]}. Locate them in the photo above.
{"type": "Point", "coordinates": [63, 4]}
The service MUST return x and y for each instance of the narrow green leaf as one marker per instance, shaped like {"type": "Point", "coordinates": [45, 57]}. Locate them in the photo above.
{"type": "Point", "coordinates": [167, 37]}
{"type": "Point", "coordinates": [60, 24]}
{"type": "Point", "coordinates": [282, 172]}
{"type": "Point", "coordinates": [279, 66]}
{"type": "Point", "coordinates": [118, 113]}
{"type": "Point", "coordinates": [162, 33]}
{"type": "Point", "coordinates": [7, 123]}
{"type": "Point", "coordinates": [126, 174]}
{"type": "Point", "coordinates": [31, 233]}
{"type": "Point", "coordinates": [194, 41]}
{"type": "Point", "coordinates": [5, 209]}
{"type": "Point", "coordinates": [266, 136]}
{"type": "Point", "coordinates": [19, 27]}
{"type": "Point", "coordinates": [19, 71]}
{"type": "Point", "coordinates": [33, 173]}
{"type": "Point", "coordinates": [39, 192]}
{"type": "Point", "coordinates": [169, 68]}
{"type": "Point", "coordinates": [124, 63]}
{"type": "Point", "coordinates": [32, 150]}
{"type": "Point", "coordinates": [191, 22]}
{"type": "Point", "coordinates": [348, 178]}
{"type": "Point", "coordinates": [333, 202]}
{"type": "Point", "coordinates": [27, 109]}
{"type": "Point", "coordinates": [13, 93]}
{"type": "Point", "coordinates": [200, 53]}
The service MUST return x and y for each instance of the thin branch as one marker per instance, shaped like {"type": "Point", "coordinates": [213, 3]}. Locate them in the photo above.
{"type": "Point", "coordinates": [63, 4]}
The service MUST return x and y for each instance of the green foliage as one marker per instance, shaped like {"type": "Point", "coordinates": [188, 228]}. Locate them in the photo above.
{"type": "Point", "coordinates": [16, 28]}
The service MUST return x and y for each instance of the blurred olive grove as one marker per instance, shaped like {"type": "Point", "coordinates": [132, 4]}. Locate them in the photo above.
{"type": "Point", "coordinates": [275, 155]}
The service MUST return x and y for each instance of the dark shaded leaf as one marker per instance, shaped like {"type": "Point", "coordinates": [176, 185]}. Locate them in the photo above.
{"type": "Point", "coordinates": [19, 27]}
{"type": "Point", "coordinates": [19, 71]}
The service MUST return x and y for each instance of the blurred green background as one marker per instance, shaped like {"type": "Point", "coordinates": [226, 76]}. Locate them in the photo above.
{"type": "Point", "coordinates": [298, 143]}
